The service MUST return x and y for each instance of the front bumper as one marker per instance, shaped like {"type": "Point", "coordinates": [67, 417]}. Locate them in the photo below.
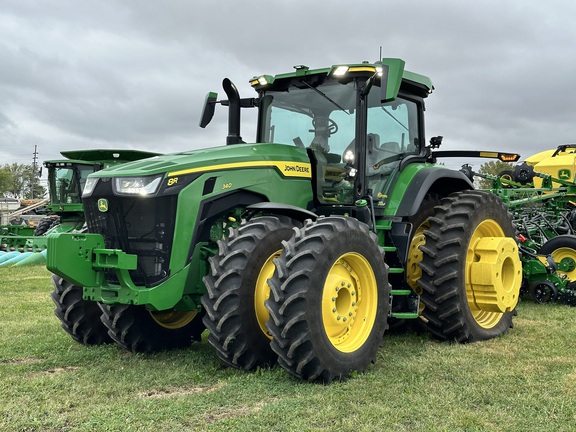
{"type": "Point", "coordinates": [83, 260]}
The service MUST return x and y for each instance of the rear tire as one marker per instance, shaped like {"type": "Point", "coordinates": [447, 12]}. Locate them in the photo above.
{"type": "Point", "coordinates": [137, 329]}
{"type": "Point", "coordinates": [413, 272]}
{"type": "Point", "coordinates": [329, 301]}
{"type": "Point", "coordinates": [237, 287]}
{"type": "Point", "coordinates": [467, 240]}
{"type": "Point", "coordinates": [80, 318]}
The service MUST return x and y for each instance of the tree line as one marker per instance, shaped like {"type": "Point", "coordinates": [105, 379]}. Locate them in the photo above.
{"type": "Point", "coordinates": [21, 181]}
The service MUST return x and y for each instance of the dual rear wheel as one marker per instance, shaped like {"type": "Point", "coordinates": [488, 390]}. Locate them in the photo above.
{"type": "Point", "coordinates": [471, 270]}
{"type": "Point", "coordinates": [314, 299]}
{"type": "Point", "coordinates": [329, 300]}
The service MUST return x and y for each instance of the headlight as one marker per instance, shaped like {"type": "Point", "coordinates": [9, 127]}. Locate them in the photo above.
{"type": "Point", "coordinates": [137, 185]}
{"type": "Point", "coordinates": [89, 186]}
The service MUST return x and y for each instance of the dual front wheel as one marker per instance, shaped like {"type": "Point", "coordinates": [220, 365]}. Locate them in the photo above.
{"type": "Point", "coordinates": [134, 328]}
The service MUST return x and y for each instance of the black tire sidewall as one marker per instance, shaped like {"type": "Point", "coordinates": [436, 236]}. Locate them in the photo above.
{"type": "Point", "coordinates": [230, 296]}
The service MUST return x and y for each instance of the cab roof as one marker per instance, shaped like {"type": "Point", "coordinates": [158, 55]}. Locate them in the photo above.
{"type": "Point", "coordinates": [391, 68]}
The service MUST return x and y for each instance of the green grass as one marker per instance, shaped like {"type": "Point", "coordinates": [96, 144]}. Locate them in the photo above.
{"type": "Point", "coordinates": [523, 381]}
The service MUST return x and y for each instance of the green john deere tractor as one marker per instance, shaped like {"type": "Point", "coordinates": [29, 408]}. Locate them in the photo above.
{"type": "Point", "coordinates": [299, 248]}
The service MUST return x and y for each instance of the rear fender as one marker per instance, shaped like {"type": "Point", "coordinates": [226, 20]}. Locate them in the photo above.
{"type": "Point", "coordinates": [441, 182]}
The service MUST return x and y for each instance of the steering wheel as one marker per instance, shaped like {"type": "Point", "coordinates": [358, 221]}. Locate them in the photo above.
{"type": "Point", "coordinates": [332, 127]}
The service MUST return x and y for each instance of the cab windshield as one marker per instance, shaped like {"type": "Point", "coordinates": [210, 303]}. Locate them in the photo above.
{"type": "Point", "coordinates": [67, 183]}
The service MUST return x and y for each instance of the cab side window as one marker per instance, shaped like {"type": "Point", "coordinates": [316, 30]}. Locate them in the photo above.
{"type": "Point", "coordinates": [392, 135]}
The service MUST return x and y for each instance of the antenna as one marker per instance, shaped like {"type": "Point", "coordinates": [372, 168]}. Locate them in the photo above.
{"type": "Point", "coordinates": [380, 58]}
{"type": "Point", "coordinates": [34, 171]}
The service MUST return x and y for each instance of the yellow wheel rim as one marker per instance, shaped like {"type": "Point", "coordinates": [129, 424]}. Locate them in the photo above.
{"type": "Point", "coordinates": [415, 256]}
{"type": "Point", "coordinates": [569, 257]}
{"type": "Point", "coordinates": [349, 302]}
{"type": "Point", "coordinates": [262, 292]}
{"type": "Point", "coordinates": [173, 319]}
{"type": "Point", "coordinates": [493, 274]}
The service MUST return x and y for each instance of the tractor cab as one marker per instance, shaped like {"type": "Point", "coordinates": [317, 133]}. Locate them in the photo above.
{"type": "Point", "coordinates": [66, 180]}
{"type": "Point", "coordinates": [358, 123]}
{"type": "Point", "coordinates": [355, 141]}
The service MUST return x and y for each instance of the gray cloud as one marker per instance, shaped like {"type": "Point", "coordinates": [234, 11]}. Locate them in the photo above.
{"type": "Point", "coordinates": [106, 74]}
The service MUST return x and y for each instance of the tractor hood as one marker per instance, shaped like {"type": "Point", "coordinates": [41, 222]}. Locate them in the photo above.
{"type": "Point", "coordinates": [211, 159]}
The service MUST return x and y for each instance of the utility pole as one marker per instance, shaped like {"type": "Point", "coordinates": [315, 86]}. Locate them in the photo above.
{"type": "Point", "coordinates": [34, 171]}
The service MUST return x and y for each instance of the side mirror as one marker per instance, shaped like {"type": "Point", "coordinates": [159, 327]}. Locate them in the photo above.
{"type": "Point", "coordinates": [436, 141]}
{"type": "Point", "coordinates": [209, 108]}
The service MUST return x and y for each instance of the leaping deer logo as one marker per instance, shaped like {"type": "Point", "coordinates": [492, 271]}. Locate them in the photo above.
{"type": "Point", "coordinates": [564, 174]}
{"type": "Point", "coordinates": [103, 205]}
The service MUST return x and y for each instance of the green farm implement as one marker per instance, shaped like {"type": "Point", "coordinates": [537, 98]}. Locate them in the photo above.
{"type": "Point", "coordinates": [66, 178]}
{"type": "Point", "coordinates": [545, 222]}
{"type": "Point", "coordinates": [299, 248]}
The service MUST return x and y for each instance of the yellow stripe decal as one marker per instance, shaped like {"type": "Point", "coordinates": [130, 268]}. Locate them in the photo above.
{"type": "Point", "coordinates": [288, 169]}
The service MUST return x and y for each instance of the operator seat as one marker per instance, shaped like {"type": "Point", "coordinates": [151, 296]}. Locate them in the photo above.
{"type": "Point", "coordinates": [378, 177]}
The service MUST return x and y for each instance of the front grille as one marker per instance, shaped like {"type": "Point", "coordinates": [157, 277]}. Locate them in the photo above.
{"type": "Point", "coordinates": [136, 225]}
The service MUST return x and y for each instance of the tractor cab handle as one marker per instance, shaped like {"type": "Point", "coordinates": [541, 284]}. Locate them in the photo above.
{"type": "Point", "coordinates": [387, 160]}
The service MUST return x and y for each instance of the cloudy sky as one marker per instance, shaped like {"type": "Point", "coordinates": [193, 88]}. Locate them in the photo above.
{"type": "Point", "coordinates": [133, 74]}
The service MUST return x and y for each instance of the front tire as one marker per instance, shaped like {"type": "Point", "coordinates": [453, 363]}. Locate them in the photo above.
{"type": "Point", "coordinates": [237, 287]}
{"type": "Point", "coordinates": [471, 268]}
{"type": "Point", "coordinates": [329, 300]}
{"type": "Point", "coordinates": [80, 318]}
{"type": "Point", "coordinates": [137, 329]}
